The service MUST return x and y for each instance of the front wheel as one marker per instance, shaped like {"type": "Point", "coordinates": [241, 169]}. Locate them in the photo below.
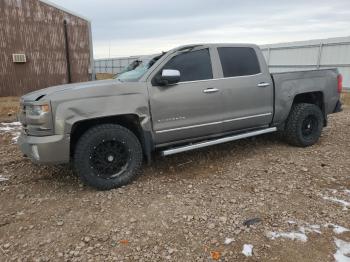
{"type": "Point", "coordinates": [107, 156]}
{"type": "Point", "coordinates": [304, 125]}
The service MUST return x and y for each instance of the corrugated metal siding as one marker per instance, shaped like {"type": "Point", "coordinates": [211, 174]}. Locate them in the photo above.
{"type": "Point", "coordinates": [335, 54]}
{"type": "Point", "coordinates": [37, 30]}
{"type": "Point", "coordinates": [309, 55]}
{"type": "Point", "coordinates": [300, 56]}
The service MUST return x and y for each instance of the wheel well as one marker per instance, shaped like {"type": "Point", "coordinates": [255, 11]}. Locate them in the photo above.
{"type": "Point", "coordinates": [130, 121]}
{"type": "Point", "coordinates": [315, 98]}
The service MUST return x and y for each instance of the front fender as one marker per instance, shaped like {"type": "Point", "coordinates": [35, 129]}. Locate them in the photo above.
{"type": "Point", "coordinates": [67, 113]}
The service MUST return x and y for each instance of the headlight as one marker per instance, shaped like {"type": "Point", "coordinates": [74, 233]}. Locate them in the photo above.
{"type": "Point", "coordinates": [37, 118]}
{"type": "Point", "coordinates": [37, 110]}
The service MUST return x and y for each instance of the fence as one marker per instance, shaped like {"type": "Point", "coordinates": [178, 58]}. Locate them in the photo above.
{"type": "Point", "coordinates": [113, 65]}
{"type": "Point", "coordinates": [309, 55]}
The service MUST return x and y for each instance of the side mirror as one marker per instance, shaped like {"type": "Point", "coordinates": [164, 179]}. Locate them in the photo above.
{"type": "Point", "coordinates": [169, 77]}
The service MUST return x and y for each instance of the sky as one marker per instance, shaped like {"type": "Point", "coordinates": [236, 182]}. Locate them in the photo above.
{"type": "Point", "coordinates": [140, 27]}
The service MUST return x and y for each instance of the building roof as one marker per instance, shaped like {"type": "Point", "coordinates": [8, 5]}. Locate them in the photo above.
{"type": "Point", "coordinates": [64, 9]}
{"type": "Point", "coordinates": [326, 41]}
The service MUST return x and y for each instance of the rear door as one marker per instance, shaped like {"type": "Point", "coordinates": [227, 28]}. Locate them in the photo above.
{"type": "Point", "coordinates": [247, 88]}
{"type": "Point", "coordinates": [193, 107]}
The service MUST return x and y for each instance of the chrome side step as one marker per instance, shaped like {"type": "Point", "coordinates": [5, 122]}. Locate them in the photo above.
{"type": "Point", "coordinates": [180, 149]}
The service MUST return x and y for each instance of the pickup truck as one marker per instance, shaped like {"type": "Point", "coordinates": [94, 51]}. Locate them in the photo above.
{"type": "Point", "coordinates": [187, 98]}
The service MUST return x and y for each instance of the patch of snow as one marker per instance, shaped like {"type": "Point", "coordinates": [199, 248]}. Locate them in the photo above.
{"type": "Point", "coordinates": [337, 229]}
{"type": "Point", "coordinates": [344, 203]}
{"type": "Point", "coordinates": [311, 229]}
{"type": "Point", "coordinates": [9, 126]}
{"type": "Point", "coordinates": [3, 179]}
{"type": "Point", "coordinates": [291, 222]}
{"type": "Point", "coordinates": [247, 250]}
{"type": "Point", "coordinates": [315, 226]}
{"type": "Point", "coordinates": [343, 251]}
{"type": "Point", "coordinates": [294, 235]}
{"type": "Point", "coordinates": [15, 138]}
{"type": "Point", "coordinates": [299, 234]}
{"type": "Point", "coordinates": [228, 240]}
{"type": "Point", "coordinates": [13, 128]}
{"type": "Point", "coordinates": [5, 129]}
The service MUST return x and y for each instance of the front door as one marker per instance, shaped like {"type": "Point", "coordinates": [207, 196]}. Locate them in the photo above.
{"type": "Point", "coordinates": [193, 107]}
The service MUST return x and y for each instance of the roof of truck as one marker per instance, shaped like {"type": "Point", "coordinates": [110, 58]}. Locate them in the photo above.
{"type": "Point", "coordinates": [184, 47]}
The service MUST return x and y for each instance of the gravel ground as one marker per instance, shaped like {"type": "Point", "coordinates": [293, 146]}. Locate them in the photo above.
{"type": "Point", "coordinates": [189, 207]}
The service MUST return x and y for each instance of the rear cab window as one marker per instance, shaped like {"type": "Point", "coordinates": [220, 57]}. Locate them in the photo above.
{"type": "Point", "coordinates": [238, 61]}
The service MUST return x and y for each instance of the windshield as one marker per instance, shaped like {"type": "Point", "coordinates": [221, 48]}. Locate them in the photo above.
{"type": "Point", "coordinates": [137, 69]}
{"type": "Point", "coordinates": [130, 67]}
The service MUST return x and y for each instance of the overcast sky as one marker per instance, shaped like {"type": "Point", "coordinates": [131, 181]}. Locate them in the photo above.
{"type": "Point", "coordinates": [138, 27]}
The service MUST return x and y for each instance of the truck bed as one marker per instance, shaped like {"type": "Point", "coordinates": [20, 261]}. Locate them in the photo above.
{"type": "Point", "coordinates": [289, 84]}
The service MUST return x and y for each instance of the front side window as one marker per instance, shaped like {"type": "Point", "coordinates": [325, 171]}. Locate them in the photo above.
{"type": "Point", "coordinates": [193, 66]}
{"type": "Point", "coordinates": [238, 61]}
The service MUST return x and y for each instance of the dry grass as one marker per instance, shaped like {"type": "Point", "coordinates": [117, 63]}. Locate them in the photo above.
{"type": "Point", "coordinates": [102, 76]}
{"type": "Point", "coordinates": [9, 107]}
{"type": "Point", "coordinates": [345, 97]}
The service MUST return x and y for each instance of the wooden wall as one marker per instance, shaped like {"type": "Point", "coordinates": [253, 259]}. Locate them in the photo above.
{"type": "Point", "coordinates": [36, 29]}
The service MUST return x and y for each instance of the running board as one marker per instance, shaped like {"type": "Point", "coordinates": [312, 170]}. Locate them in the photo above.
{"type": "Point", "coordinates": [180, 149]}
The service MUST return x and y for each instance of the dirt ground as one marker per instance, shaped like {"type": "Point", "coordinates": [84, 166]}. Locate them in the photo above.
{"type": "Point", "coordinates": [187, 207]}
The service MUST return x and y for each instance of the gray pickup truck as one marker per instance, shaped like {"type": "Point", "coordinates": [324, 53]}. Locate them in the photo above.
{"type": "Point", "coordinates": [188, 98]}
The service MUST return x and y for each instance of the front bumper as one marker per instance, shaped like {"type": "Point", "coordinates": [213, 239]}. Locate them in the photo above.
{"type": "Point", "coordinates": [45, 150]}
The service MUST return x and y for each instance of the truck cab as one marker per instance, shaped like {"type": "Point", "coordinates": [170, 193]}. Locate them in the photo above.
{"type": "Point", "coordinates": [221, 88]}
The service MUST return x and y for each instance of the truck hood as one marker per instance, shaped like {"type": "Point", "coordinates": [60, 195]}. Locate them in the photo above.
{"type": "Point", "coordinates": [50, 92]}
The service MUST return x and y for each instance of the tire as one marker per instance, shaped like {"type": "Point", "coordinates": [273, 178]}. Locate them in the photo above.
{"type": "Point", "coordinates": [107, 156]}
{"type": "Point", "coordinates": [304, 125]}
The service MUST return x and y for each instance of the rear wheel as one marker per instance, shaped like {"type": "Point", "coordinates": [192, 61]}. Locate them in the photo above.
{"type": "Point", "coordinates": [304, 125]}
{"type": "Point", "coordinates": [108, 156]}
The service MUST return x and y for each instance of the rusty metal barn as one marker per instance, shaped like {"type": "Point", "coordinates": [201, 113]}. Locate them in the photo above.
{"type": "Point", "coordinates": [42, 45]}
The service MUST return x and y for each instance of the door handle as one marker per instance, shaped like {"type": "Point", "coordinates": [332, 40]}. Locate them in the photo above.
{"type": "Point", "coordinates": [210, 90]}
{"type": "Point", "coordinates": [263, 84]}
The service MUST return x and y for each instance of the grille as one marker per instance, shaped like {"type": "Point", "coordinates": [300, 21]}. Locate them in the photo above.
{"type": "Point", "coordinates": [22, 116]}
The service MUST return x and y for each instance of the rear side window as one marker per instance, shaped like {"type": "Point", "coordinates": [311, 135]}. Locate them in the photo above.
{"type": "Point", "coordinates": [238, 61]}
{"type": "Point", "coordinates": [193, 66]}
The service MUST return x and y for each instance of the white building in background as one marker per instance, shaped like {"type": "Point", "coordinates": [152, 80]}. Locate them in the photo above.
{"type": "Point", "coordinates": [309, 55]}
{"type": "Point", "coordinates": [292, 56]}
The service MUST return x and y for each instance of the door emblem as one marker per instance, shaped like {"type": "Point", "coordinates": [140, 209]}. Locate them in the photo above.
{"type": "Point", "coordinates": [177, 118]}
